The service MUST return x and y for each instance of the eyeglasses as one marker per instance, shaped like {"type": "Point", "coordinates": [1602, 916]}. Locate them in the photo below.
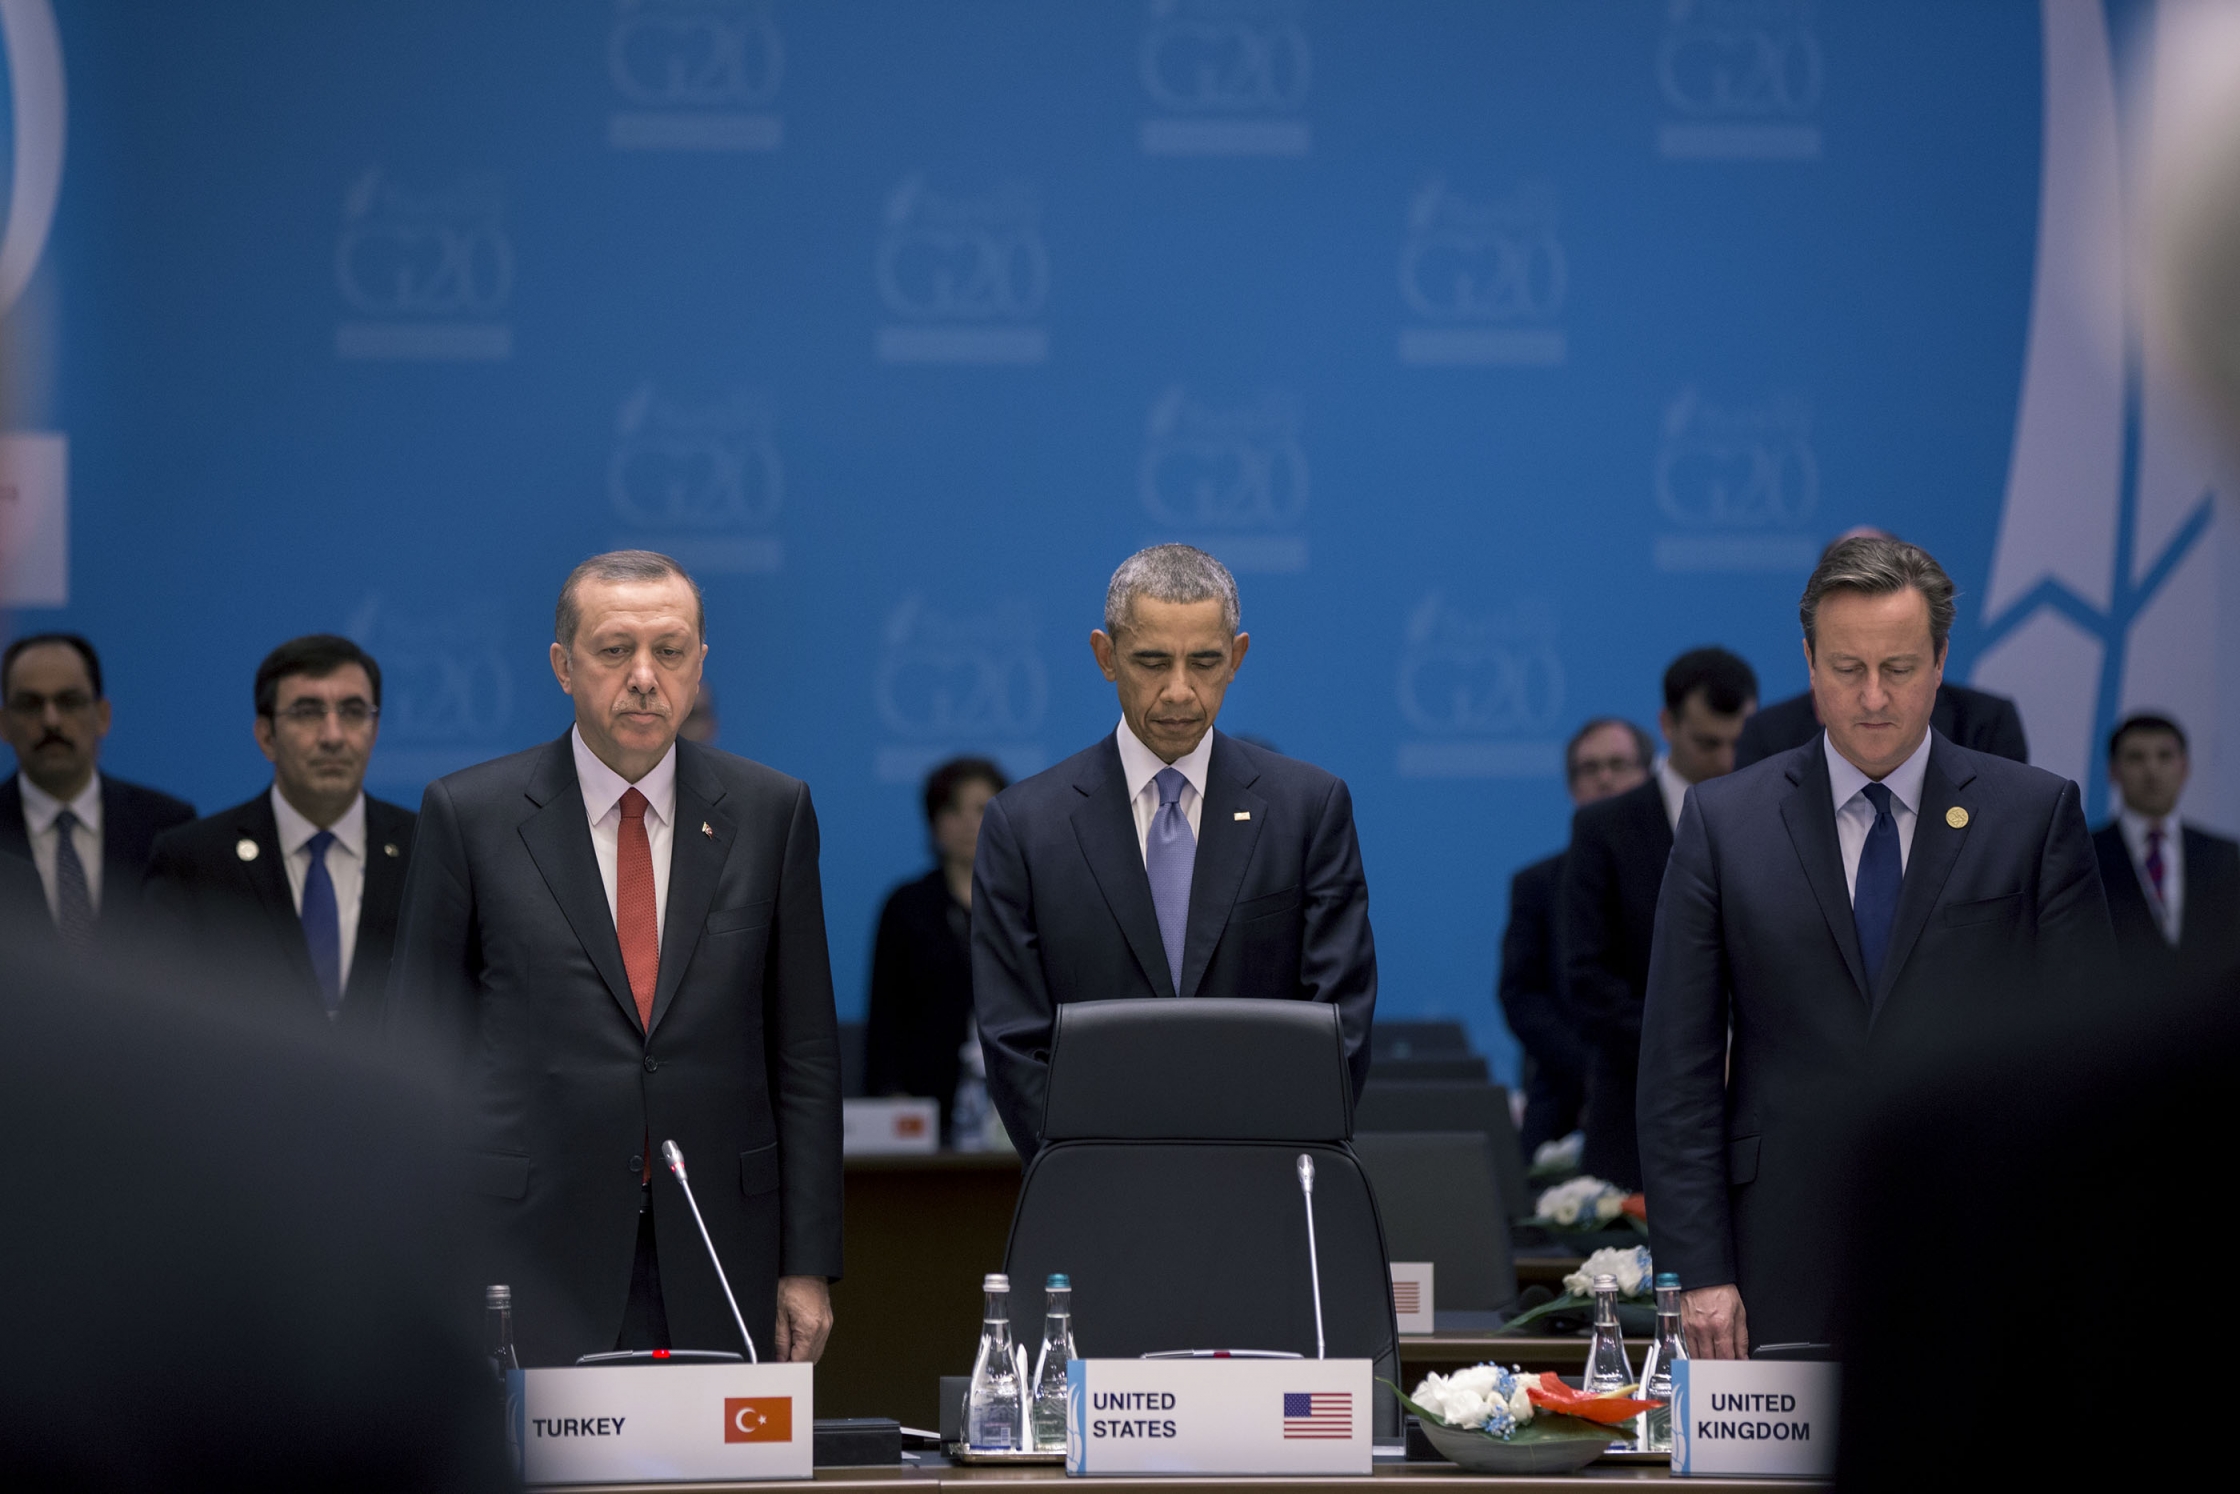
{"type": "Point", "coordinates": [309, 713]}
{"type": "Point", "coordinates": [1592, 765]}
{"type": "Point", "coordinates": [30, 704]}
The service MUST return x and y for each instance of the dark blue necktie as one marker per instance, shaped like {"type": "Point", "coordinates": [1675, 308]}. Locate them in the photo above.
{"type": "Point", "coordinates": [1874, 893]}
{"type": "Point", "coordinates": [1170, 854]}
{"type": "Point", "coordinates": [73, 913]}
{"type": "Point", "coordinates": [322, 922]}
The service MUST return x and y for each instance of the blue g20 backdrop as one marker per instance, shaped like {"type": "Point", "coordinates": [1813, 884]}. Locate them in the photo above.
{"type": "Point", "coordinates": [1503, 350]}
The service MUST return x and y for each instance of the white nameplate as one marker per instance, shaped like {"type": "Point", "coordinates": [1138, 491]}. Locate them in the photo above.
{"type": "Point", "coordinates": [1744, 1416]}
{"type": "Point", "coordinates": [664, 1423]}
{"type": "Point", "coordinates": [1411, 1296]}
{"type": "Point", "coordinates": [1244, 1416]}
{"type": "Point", "coordinates": [891, 1126]}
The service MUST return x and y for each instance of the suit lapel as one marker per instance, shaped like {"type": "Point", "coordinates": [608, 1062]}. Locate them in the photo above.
{"type": "Point", "coordinates": [15, 836]}
{"type": "Point", "coordinates": [1106, 828]}
{"type": "Point", "coordinates": [1225, 846]}
{"type": "Point", "coordinates": [1936, 846]}
{"type": "Point", "coordinates": [379, 893]}
{"type": "Point", "coordinates": [695, 866]}
{"type": "Point", "coordinates": [120, 877]}
{"type": "Point", "coordinates": [267, 877]}
{"type": "Point", "coordinates": [1811, 817]}
{"type": "Point", "coordinates": [559, 840]}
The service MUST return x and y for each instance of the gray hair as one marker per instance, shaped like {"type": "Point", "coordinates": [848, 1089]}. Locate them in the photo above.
{"type": "Point", "coordinates": [620, 565]}
{"type": "Point", "coordinates": [1170, 573]}
{"type": "Point", "coordinates": [1876, 565]}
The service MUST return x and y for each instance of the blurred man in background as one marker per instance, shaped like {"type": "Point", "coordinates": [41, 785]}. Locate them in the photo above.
{"type": "Point", "coordinates": [2173, 889]}
{"type": "Point", "coordinates": [1605, 757]}
{"type": "Point", "coordinates": [88, 834]}
{"type": "Point", "coordinates": [919, 1037]}
{"type": "Point", "coordinates": [1607, 907]}
{"type": "Point", "coordinates": [296, 890]}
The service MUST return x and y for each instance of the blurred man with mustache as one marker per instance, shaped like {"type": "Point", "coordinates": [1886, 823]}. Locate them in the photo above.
{"type": "Point", "coordinates": [88, 834]}
{"type": "Point", "coordinates": [612, 941]}
{"type": "Point", "coordinates": [294, 892]}
{"type": "Point", "coordinates": [1169, 859]}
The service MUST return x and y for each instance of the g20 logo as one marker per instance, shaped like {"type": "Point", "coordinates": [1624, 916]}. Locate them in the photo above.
{"type": "Point", "coordinates": [446, 254]}
{"type": "Point", "coordinates": [962, 261]}
{"type": "Point", "coordinates": [1740, 58]}
{"type": "Point", "coordinates": [1743, 469]}
{"type": "Point", "coordinates": [1234, 58]}
{"type": "Point", "coordinates": [708, 469]}
{"type": "Point", "coordinates": [1463, 261]}
{"type": "Point", "coordinates": [723, 54]}
{"type": "Point", "coordinates": [1241, 469]}
{"type": "Point", "coordinates": [444, 679]}
{"type": "Point", "coordinates": [1463, 676]}
{"type": "Point", "coordinates": [942, 678]}
{"type": "Point", "coordinates": [35, 86]}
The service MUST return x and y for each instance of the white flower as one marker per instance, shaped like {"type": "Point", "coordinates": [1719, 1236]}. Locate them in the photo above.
{"type": "Point", "coordinates": [1483, 1397]}
{"type": "Point", "coordinates": [1564, 1151]}
{"type": "Point", "coordinates": [1466, 1408]}
{"type": "Point", "coordinates": [1521, 1408]}
{"type": "Point", "coordinates": [1582, 1201]}
{"type": "Point", "coordinates": [1632, 1267]}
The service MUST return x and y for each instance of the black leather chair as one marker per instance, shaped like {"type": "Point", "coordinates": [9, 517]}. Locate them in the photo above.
{"type": "Point", "coordinates": [1452, 1105]}
{"type": "Point", "coordinates": [1167, 1186]}
{"type": "Point", "coordinates": [1440, 1202]}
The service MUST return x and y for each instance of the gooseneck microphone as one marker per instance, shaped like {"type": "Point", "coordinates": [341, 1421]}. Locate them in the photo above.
{"type": "Point", "coordinates": [1314, 1263]}
{"type": "Point", "coordinates": [672, 1154]}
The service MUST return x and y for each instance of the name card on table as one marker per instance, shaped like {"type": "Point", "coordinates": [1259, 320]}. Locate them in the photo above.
{"type": "Point", "coordinates": [889, 1127]}
{"type": "Point", "coordinates": [1411, 1296]}
{"type": "Point", "coordinates": [1744, 1416]}
{"type": "Point", "coordinates": [1246, 1416]}
{"type": "Point", "coordinates": [663, 1423]}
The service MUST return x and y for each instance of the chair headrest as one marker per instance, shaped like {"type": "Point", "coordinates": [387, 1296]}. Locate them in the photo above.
{"type": "Point", "coordinates": [1198, 1070]}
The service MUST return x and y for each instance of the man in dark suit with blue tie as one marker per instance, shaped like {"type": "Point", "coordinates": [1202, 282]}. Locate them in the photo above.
{"type": "Point", "coordinates": [1834, 906]}
{"type": "Point", "coordinates": [1168, 859]}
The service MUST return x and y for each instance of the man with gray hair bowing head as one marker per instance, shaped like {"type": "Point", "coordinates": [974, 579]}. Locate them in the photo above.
{"type": "Point", "coordinates": [1168, 859]}
{"type": "Point", "coordinates": [616, 940]}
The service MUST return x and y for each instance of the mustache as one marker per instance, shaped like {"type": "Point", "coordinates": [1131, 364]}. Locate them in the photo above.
{"type": "Point", "coordinates": [52, 739]}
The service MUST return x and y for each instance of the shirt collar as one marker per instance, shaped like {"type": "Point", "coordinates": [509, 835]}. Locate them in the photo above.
{"type": "Point", "coordinates": [1141, 764]}
{"type": "Point", "coordinates": [603, 787]}
{"type": "Point", "coordinates": [41, 807]}
{"type": "Point", "coordinates": [1904, 781]}
{"type": "Point", "coordinates": [296, 830]}
{"type": "Point", "coordinates": [1674, 790]}
{"type": "Point", "coordinates": [2136, 826]}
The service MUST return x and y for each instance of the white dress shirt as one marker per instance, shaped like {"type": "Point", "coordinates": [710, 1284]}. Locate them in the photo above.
{"type": "Point", "coordinates": [40, 809]}
{"type": "Point", "coordinates": [603, 789]}
{"type": "Point", "coordinates": [1140, 766]}
{"type": "Point", "coordinates": [1855, 816]}
{"type": "Point", "coordinates": [2171, 914]}
{"type": "Point", "coordinates": [1675, 791]}
{"type": "Point", "coordinates": [346, 864]}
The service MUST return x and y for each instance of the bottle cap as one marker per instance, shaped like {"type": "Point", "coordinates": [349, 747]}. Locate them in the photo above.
{"type": "Point", "coordinates": [1606, 1283]}
{"type": "Point", "coordinates": [497, 1296]}
{"type": "Point", "coordinates": [1668, 1278]}
{"type": "Point", "coordinates": [995, 1281]}
{"type": "Point", "coordinates": [1059, 1282]}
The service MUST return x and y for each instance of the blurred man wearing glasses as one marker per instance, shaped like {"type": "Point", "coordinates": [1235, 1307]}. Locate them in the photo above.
{"type": "Point", "coordinates": [87, 833]}
{"type": "Point", "coordinates": [297, 890]}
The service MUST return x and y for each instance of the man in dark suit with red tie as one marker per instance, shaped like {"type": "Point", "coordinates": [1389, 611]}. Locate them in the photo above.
{"type": "Point", "coordinates": [2173, 889]}
{"type": "Point", "coordinates": [616, 940]}
{"type": "Point", "coordinates": [1833, 909]}
{"type": "Point", "coordinates": [1168, 859]}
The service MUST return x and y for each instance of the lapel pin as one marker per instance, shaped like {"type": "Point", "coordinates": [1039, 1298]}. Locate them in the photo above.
{"type": "Point", "coordinates": [1242, 814]}
{"type": "Point", "coordinates": [707, 830]}
{"type": "Point", "coordinates": [388, 848]}
{"type": "Point", "coordinates": [245, 848]}
{"type": "Point", "coordinates": [1956, 817]}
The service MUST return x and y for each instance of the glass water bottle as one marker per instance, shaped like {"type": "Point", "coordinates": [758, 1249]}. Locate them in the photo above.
{"type": "Point", "coordinates": [992, 1416]}
{"type": "Point", "coordinates": [497, 1331]}
{"type": "Point", "coordinates": [1656, 1369]}
{"type": "Point", "coordinates": [1607, 1366]}
{"type": "Point", "coordinates": [1048, 1412]}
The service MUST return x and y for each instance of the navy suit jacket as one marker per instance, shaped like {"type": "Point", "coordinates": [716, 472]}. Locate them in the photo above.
{"type": "Point", "coordinates": [1531, 993]}
{"type": "Point", "coordinates": [2000, 920]}
{"type": "Point", "coordinates": [131, 818]}
{"type": "Point", "coordinates": [1964, 716]}
{"type": "Point", "coordinates": [1062, 911]}
{"type": "Point", "coordinates": [2208, 947]}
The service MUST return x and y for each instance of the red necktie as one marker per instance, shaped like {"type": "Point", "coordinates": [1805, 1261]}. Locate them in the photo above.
{"type": "Point", "coordinates": [634, 920]}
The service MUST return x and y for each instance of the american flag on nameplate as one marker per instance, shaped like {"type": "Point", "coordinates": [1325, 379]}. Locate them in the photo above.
{"type": "Point", "coordinates": [1325, 1414]}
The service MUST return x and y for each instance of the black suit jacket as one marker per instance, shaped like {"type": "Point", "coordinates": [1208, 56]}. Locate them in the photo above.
{"type": "Point", "coordinates": [1966, 717]}
{"type": "Point", "coordinates": [237, 919]}
{"type": "Point", "coordinates": [509, 977]}
{"type": "Point", "coordinates": [1545, 1023]}
{"type": "Point", "coordinates": [1609, 911]}
{"type": "Point", "coordinates": [921, 995]}
{"type": "Point", "coordinates": [131, 818]}
{"type": "Point", "coordinates": [2000, 919]}
{"type": "Point", "coordinates": [2208, 947]}
{"type": "Point", "coordinates": [1062, 911]}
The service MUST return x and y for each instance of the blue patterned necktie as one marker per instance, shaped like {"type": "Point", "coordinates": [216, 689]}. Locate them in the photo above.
{"type": "Point", "coordinates": [1874, 894]}
{"type": "Point", "coordinates": [73, 913]}
{"type": "Point", "coordinates": [1170, 854]}
{"type": "Point", "coordinates": [322, 922]}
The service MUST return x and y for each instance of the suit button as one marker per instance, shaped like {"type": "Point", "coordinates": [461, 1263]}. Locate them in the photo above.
{"type": "Point", "coordinates": [637, 1166]}
{"type": "Point", "coordinates": [652, 1063]}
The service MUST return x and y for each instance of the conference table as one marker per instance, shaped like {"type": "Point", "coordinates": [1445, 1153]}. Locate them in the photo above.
{"type": "Point", "coordinates": [1389, 1478]}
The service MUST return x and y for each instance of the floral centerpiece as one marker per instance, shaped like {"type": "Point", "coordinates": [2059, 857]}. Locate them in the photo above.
{"type": "Point", "coordinates": [1633, 1268]}
{"type": "Point", "coordinates": [1586, 1204]}
{"type": "Point", "coordinates": [1501, 1419]}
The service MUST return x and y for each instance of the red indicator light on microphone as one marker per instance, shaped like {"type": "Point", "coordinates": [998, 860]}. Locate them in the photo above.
{"type": "Point", "coordinates": [661, 1353]}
